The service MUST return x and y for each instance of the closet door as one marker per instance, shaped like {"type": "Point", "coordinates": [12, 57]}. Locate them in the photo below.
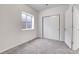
{"type": "Point", "coordinates": [51, 27]}
{"type": "Point", "coordinates": [68, 27]}
{"type": "Point", "coordinates": [76, 28]}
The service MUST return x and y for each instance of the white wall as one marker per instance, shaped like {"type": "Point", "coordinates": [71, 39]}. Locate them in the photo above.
{"type": "Point", "coordinates": [53, 11]}
{"type": "Point", "coordinates": [11, 34]}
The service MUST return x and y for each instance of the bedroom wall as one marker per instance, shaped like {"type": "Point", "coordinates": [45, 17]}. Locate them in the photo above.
{"type": "Point", "coordinates": [11, 34]}
{"type": "Point", "coordinates": [53, 11]}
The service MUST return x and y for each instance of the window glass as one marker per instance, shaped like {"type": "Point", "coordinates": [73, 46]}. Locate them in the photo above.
{"type": "Point", "coordinates": [23, 21]}
{"type": "Point", "coordinates": [27, 21]}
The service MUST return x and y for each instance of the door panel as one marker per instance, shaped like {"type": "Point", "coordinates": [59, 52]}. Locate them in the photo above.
{"type": "Point", "coordinates": [76, 28]}
{"type": "Point", "coordinates": [68, 27]}
{"type": "Point", "coordinates": [51, 27]}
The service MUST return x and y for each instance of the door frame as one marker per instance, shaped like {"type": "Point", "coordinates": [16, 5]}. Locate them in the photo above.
{"type": "Point", "coordinates": [72, 28]}
{"type": "Point", "coordinates": [43, 25]}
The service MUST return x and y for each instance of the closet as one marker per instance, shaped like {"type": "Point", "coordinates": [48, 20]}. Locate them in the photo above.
{"type": "Point", "coordinates": [51, 27]}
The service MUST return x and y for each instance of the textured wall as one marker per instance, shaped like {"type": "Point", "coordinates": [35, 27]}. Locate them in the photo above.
{"type": "Point", "coordinates": [11, 34]}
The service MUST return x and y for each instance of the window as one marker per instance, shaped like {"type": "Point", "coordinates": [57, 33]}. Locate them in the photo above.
{"type": "Point", "coordinates": [27, 21]}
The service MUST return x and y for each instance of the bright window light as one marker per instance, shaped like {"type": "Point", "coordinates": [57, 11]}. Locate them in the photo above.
{"type": "Point", "coordinates": [27, 21]}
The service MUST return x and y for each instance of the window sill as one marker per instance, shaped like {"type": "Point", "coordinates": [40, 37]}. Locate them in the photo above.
{"type": "Point", "coordinates": [26, 29]}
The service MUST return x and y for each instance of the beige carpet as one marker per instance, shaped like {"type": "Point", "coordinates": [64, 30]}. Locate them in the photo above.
{"type": "Point", "coordinates": [41, 46]}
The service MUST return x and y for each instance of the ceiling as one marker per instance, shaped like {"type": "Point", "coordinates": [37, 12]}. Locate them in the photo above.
{"type": "Point", "coordinates": [40, 7]}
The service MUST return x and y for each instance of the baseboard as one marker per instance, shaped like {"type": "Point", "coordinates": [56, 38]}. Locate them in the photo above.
{"type": "Point", "coordinates": [5, 52]}
{"type": "Point", "coordinates": [51, 39]}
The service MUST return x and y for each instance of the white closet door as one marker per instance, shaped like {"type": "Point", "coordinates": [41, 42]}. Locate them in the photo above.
{"type": "Point", "coordinates": [68, 27]}
{"type": "Point", "coordinates": [51, 27]}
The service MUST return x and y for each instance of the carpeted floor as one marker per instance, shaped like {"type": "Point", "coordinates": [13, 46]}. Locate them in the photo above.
{"type": "Point", "coordinates": [41, 46]}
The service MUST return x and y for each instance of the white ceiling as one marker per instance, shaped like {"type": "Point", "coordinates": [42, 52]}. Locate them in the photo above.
{"type": "Point", "coordinates": [40, 7]}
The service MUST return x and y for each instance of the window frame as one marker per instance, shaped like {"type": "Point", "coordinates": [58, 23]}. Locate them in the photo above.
{"type": "Point", "coordinates": [27, 14]}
